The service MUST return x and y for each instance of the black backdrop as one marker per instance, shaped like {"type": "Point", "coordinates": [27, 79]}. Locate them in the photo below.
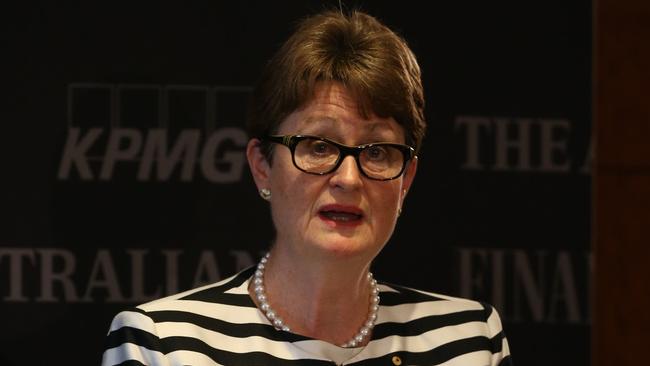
{"type": "Point", "coordinates": [122, 162]}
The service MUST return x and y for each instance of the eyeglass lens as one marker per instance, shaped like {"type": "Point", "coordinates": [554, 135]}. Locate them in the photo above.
{"type": "Point", "coordinates": [378, 161]}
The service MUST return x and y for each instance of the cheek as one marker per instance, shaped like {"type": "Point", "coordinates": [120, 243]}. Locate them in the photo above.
{"type": "Point", "coordinates": [293, 195]}
{"type": "Point", "coordinates": [385, 207]}
{"type": "Point", "coordinates": [280, 175]}
{"type": "Point", "coordinates": [388, 197]}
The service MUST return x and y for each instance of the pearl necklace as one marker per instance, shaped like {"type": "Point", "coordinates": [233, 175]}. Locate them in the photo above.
{"type": "Point", "coordinates": [278, 323]}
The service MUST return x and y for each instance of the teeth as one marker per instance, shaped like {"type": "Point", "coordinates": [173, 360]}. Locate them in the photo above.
{"type": "Point", "coordinates": [341, 216]}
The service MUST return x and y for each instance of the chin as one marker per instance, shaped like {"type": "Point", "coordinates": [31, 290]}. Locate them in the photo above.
{"type": "Point", "coordinates": [343, 247]}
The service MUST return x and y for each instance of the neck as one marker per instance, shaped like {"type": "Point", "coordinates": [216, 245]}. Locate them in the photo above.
{"type": "Point", "coordinates": [322, 300]}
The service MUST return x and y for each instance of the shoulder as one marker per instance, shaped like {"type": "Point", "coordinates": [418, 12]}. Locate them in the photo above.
{"type": "Point", "coordinates": [217, 300]}
{"type": "Point", "coordinates": [405, 304]}
{"type": "Point", "coordinates": [229, 291]}
{"type": "Point", "coordinates": [143, 333]}
{"type": "Point", "coordinates": [394, 295]}
{"type": "Point", "coordinates": [431, 317]}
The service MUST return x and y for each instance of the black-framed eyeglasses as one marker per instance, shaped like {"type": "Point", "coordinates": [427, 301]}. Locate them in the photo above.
{"type": "Point", "coordinates": [318, 155]}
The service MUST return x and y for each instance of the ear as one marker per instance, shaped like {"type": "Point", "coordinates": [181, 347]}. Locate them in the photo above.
{"type": "Point", "coordinates": [409, 175]}
{"type": "Point", "coordinates": [260, 168]}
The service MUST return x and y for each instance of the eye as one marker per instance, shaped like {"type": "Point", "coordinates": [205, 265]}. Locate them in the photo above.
{"type": "Point", "coordinates": [321, 148]}
{"type": "Point", "coordinates": [376, 153]}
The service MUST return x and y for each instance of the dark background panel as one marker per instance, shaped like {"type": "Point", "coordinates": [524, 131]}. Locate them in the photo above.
{"type": "Point", "coordinates": [515, 235]}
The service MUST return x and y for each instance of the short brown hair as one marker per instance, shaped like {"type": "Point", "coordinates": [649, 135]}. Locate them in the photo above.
{"type": "Point", "coordinates": [355, 49]}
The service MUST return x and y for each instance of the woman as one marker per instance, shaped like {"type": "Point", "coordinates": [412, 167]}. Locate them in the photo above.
{"type": "Point", "coordinates": [336, 122]}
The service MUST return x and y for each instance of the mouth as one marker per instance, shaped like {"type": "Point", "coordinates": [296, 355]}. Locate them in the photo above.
{"type": "Point", "coordinates": [341, 215]}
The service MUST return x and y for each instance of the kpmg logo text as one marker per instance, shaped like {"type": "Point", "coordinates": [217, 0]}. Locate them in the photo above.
{"type": "Point", "coordinates": [149, 132]}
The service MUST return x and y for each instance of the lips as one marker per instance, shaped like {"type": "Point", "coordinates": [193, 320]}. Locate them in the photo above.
{"type": "Point", "coordinates": [341, 215]}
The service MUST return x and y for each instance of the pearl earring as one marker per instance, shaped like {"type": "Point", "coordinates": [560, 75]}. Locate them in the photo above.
{"type": "Point", "coordinates": [265, 193]}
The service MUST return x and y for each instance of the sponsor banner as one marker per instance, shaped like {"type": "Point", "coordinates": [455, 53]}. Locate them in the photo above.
{"type": "Point", "coordinates": [538, 286]}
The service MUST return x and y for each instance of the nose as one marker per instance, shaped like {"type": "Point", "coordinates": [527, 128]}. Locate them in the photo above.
{"type": "Point", "coordinates": [347, 176]}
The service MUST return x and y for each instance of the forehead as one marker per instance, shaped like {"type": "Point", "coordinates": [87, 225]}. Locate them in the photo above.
{"type": "Point", "coordinates": [334, 110]}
